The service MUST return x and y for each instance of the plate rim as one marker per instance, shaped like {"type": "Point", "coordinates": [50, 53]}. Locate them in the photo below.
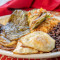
{"type": "Point", "coordinates": [35, 56]}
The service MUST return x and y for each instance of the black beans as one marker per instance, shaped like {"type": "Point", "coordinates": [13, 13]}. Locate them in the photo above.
{"type": "Point", "coordinates": [55, 34]}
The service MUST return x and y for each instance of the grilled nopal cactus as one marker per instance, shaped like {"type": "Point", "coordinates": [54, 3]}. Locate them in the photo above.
{"type": "Point", "coordinates": [18, 17]}
{"type": "Point", "coordinates": [34, 23]}
{"type": "Point", "coordinates": [36, 17]}
{"type": "Point", "coordinates": [17, 25]}
{"type": "Point", "coordinates": [35, 13]}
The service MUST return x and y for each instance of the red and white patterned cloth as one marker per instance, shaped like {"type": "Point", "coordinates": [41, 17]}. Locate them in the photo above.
{"type": "Point", "coordinates": [4, 57]}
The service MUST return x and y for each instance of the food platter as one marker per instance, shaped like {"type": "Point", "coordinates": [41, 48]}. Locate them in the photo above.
{"type": "Point", "coordinates": [20, 52]}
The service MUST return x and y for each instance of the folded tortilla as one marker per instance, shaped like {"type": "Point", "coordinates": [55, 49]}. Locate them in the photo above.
{"type": "Point", "coordinates": [39, 40]}
{"type": "Point", "coordinates": [24, 50]}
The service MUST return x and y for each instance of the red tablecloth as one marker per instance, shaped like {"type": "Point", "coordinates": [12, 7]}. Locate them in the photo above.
{"type": "Point", "coordinates": [29, 4]}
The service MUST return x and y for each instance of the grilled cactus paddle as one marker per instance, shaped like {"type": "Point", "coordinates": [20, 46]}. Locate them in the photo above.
{"type": "Point", "coordinates": [34, 23]}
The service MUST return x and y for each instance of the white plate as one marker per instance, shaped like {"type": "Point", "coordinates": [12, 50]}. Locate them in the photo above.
{"type": "Point", "coordinates": [44, 55]}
